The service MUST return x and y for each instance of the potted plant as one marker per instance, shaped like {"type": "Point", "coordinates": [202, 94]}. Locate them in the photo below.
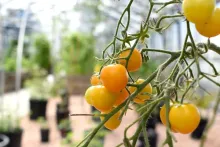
{"type": "Point", "coordinates": [151, 122]}
{"type": "Point", "coordinates": [62, 111]}
{"type": "Point", "coordinates": [42, 55]}
{"type": "Point", "coordinates": [76, 61]}
{"type": "Point", "coordinates": [98, 140]}
{"type": "Point", "coordinates": [152, 137]}
{"type": "Point", "coordinates": [10, 65]}
{"type": "Point", "coordinates": [94, 111]}
{"type": "Point", "coordinates": [101, 135]}
{"type": "Point", "coordinates": [64, 127]}
{"type": "Point", "coordinates": [4, 140]}
{"type": "Point", "coordinates": [39, 87]}
{"type": "Point", "coordinates": [44, 129]}
{"type": "Point", "coordinates": [203, 102]}
{"type": "Point", "coordinates": [10, 127]}
{"type": "Point", "coordinates": [68, 140]}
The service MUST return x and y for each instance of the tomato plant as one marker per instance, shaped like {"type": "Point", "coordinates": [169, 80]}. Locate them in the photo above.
{"type": "Point", "coordinates": [118, 89]}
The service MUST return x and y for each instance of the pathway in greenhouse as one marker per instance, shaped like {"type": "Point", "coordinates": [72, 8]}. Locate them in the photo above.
{"type": "Point", "coordinates": [31, 136]}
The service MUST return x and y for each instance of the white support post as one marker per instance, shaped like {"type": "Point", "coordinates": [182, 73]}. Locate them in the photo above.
{"type": "Point", "coordinates": [20, 51]}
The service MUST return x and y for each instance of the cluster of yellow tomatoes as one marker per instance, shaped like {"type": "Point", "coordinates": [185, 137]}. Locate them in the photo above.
{"type": "Point", "coordinates": [109, 87]}
{"type": "Point", "coordinates": [109, 90]}
{"type": "Point", "coordinates": [204, 14]}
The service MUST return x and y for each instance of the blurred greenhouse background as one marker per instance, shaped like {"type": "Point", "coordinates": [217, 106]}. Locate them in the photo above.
{"type": "Point", "coordinates": [47, 50]}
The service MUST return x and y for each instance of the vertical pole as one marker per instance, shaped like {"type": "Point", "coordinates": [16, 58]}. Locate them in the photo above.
{"type": "Point", "coordinates": [20, 51]}
{"type": "Point", "coordinates": [2, 74]}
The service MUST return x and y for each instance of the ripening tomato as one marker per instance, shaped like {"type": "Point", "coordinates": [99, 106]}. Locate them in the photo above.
{"type": "Point", "coordinates": [100, 98]}
{"type": "Point", "coordinates": [89, 94]}
{"type": "Point", "coordinates": [198, 11]}
{"type": "Point", "coordinates": [94, 80]}
{"type": "Point", "coordinates": [114, 77]}
{"type": "Point", "coordinates": [142, 96]}
{"type": "Point", "coordinates": [210, 28]}
{"type": "Point", "coordinates": [135, 61]}
{"type": "Point", "coordinates": [122, 96]}
{"type": "Point", "coordinates": [163, 116]}
{"type": "Point", "coordinates": [97, 68]}
{"type": "Point", "coordinates": [184, 117]}
{"type": "Point", "coordinates": [216, 16]}
{"type": "Point", "coordinates": [113, 122]}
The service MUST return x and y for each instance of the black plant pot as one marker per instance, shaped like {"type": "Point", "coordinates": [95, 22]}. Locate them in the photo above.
{"type": "Point", "coordinates": [197, 133]}
{"type": "Point", "coordinates": [152, 137]}
{"type": "Point", "coordinates": [38, 108]}
{"type": "Point", "coordinates": [93, 109]}
{"type": "Point", "coordinates": [95, 119]}
{"type": "Point", "coordinates": [64, 132]}
{"type": "Point", "coordinates": [14, 137]}
{"type": "Point", "coordinates": [4, 140]}
{"type": "Point", "coordinates": [102, 140]}
{"type": "Point", "coordinates": [61, 114]}
{"type": "Point", "coordinates": [44, 135]}
{"type": "Point", "coordinates": [151, 123]}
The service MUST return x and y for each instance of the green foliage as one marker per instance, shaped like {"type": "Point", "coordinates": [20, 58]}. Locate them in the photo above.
{"type": "Point", "coordinates": [146, 69]}
{"type": "Point", "coordinates": [43, 122]}
{"type": "Point", "coordinates": [68, 140]}
{"type": "Point", "coordinates": [59, 83]}
{"type": "Point", "coordinates": [10, 58]}
{"type": "Point", "coordinates": [9, 123]}
{"type": "Point", "coordinates": [97, 140]}
{"type": "Point", "coordinates": [10, 64]}
{"type": "Point", "coordinates": [65, 124]}
{"type": "Point", "coordinates": [42, 52]}
{"type": "Point", "coordinates": [203, 102]}
{"type": "Point", "coordinates": [39, 86]}
{"type": "Point", "coordinates": [77, 55]}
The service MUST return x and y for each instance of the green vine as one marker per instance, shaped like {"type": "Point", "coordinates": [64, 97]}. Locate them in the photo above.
{"type": "Point", "coordinates": [166, 88]}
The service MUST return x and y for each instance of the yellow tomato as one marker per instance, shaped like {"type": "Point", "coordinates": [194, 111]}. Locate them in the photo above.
{"type": "Point", "coordinates": [100, 98]}
{"type": "Point", "coordinates": [198, 11]}
{"type": "Point", "coordinates": [208, 30]}
{"type": "Point", "coordinates": [122, 96]}
{"type": "Point", "coordinates": [216, 17]}
{"type": "Point", "coordinates": [212, 27]}
{"type": "Point", "coordinates": [114, 77]}
{"type": "Point", "coordinates": [135, 61]}
{"type": "Point", "coordinates": [184, 117]}
{"type": "Point", "coordinates": [113, 122]}
{"type": "Point", "coordinates": [163, 116]}
{"type": "Point", "coordinates": [94, 80]}
{"type": "Point", "coordinates": [89, 94]}
{"type": "Point", "coordinates": [142, 96]}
